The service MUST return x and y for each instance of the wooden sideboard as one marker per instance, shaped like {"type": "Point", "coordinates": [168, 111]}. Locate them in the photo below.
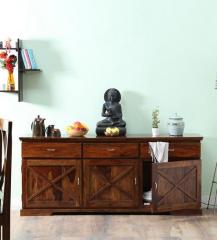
{"type": "Point", "coordinates": [109, 174]}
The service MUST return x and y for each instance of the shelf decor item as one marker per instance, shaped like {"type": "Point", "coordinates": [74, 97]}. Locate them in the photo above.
{"type": "Point", "coordinates": [32, 59]}
{"type": "Point", "coordinates": [8, 62]}
{"type": "Point", "coordinates": [11, 82]}
{"type": "Point", "coordinates": [7, 44]}
{"type": "Point", "coordinates": [176, 125]}
{"type": "Point", "coordinates": [28, 59]}
{"type": "Point", "coordinates": [155, 122]}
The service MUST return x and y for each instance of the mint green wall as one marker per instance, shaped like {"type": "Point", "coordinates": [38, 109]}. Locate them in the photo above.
{"type": "Point", "coordinates": [157, 53]}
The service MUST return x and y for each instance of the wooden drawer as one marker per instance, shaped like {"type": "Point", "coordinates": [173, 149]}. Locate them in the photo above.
{"type": "Point", "coordinates": [51, 150]}
{"type": "Point", "coordinates": [110, 150]}
{"type": "Point", "coordinates": [188, 150]}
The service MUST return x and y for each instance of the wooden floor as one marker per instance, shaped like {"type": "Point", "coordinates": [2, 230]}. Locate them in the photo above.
{"type": "Point", "coordinates": [113, 227]}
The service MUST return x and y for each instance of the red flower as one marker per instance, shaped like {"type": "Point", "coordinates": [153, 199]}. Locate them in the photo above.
{"type": "Point", "coordinates": [8, 62]}
{"type": "Point", "coordinates": [12, 59]}
{"type": "Point", "coordinates": [3, 55]}
{"type": "Point", "coordinates": [9, 67]}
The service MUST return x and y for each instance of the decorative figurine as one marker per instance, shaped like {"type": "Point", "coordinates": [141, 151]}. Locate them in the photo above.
{"type": "Point", "coordinates": [7, 43]}
{"type": "Point", "coordinates": [112, 112]}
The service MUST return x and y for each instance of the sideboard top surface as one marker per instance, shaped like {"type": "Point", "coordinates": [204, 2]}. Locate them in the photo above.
{"type": "Point", "coordinates": [128, 138]}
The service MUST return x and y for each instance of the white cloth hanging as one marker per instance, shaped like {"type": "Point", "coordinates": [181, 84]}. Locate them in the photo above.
{"type": "Point", "coordinates": [159, 151]}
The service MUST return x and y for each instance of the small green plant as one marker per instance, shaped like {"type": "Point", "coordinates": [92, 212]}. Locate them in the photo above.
{"type": "Point", "coordinates": [155, 119]}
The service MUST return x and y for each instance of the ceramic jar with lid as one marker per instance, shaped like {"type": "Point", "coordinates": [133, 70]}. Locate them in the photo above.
{"type": "Point", "coordinates": [176, 125]}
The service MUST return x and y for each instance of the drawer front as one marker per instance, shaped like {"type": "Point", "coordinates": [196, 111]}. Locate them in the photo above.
{"type": "Point", "coordinates": [188, 150]}
{"type": "Point", "coordinates": [110, 150]}
{"type": "Point", "coordinates": [51, 150]}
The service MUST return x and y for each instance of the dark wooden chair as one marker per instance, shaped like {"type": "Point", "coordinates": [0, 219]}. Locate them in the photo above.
{"type": "Point", "coordinates": [5, 177]}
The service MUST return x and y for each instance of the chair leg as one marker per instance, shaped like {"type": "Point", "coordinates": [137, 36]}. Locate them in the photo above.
{"type": "Point", "coordinates": [6, 229]}
{"type": "Point", "coordinates": [213, 180]}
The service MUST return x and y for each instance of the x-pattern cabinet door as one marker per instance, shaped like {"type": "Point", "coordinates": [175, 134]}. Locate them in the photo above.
{"type": "Point", "coordinates": [52, 183]}
{"type": "Point", "coordinates": [110, 183]}
{"type": "Point", "coordinates": [176, 185]}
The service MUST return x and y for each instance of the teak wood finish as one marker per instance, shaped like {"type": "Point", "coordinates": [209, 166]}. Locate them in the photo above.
{"type": "Point", "coordinates": [5, 177]}
{"type": "Point", "coordinates": [53, 183]}
{"type": "Point", "coordinates": [111, 183]}
{"type": "Point", "coordinates": [109, 174]}
{"type": "Point", "coordinates": [176, 185]}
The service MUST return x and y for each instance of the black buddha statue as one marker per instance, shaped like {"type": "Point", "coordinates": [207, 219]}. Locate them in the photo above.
{"type": "Point", "coordinates": [112, 112]}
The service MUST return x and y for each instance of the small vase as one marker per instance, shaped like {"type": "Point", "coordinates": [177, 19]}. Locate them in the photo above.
{"type": "Point", "coordinates": [155, 132]}
{"type": "Point", "coordinates": [11, 82]}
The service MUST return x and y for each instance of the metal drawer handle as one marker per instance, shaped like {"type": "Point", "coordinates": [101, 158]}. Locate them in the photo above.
{"type": "Point", "coordinates": [147, 203]}
{"type": "Point", "coordinates": [51, 149]}
{"type": "Point", "coordinates": [111, 149]}
{"type": "Point", "coordinates": [78, 181]}
{"type": "Point", "coordinates": [172, 150]}
{"type": "Point", "coordinates": [155, 185]}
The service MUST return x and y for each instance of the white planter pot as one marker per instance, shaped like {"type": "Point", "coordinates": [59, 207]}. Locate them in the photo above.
{"type": "Point", "coordinates": [155, 132]}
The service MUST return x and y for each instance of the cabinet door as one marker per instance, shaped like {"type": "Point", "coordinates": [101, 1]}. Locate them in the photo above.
{"type": "Point", "coordinates": [51, 183]}
{"type": "Point", "coordinates": [176, 185]}
{"type": "Point", "coordinates": [111, 183]}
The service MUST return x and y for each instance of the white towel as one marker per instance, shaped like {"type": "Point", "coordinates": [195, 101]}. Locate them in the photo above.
{"type": "Point", "coordinates": [159, 151]}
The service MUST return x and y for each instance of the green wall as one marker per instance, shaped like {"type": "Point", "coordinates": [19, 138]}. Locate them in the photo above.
{"type": "Point", "coordinates": [157, 53]}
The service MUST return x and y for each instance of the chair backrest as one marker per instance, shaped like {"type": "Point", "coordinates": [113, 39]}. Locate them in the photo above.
{"type": "Point", "coordinates": [5, 163]}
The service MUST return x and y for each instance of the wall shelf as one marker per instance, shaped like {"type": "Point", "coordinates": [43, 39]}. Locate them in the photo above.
{"type": "Point", "coordinates": [30, 70]}
{"type": "Point", "coordinates": [7, 48]}
{"type": "Point", "coordinates": [21, 71]}
{"type": "Point", "coordinates": [8, 91]}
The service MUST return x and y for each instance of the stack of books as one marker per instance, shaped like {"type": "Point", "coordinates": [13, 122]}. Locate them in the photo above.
{"type": "Point", "coordinates": [28, 59]}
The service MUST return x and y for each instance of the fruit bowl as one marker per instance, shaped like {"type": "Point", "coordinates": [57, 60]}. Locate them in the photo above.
{"type": "Point", "coordinates": [77, 133]}
{"type": "Point", "coordinates": [77, 129]}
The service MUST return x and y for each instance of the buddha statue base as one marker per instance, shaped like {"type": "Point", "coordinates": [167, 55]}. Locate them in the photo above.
{"type": "Point", "coordinates": [100, 131]}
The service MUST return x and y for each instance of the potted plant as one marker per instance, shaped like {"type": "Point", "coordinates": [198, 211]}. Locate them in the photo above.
{"type": "Point", "coordinates": [155, 122]}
